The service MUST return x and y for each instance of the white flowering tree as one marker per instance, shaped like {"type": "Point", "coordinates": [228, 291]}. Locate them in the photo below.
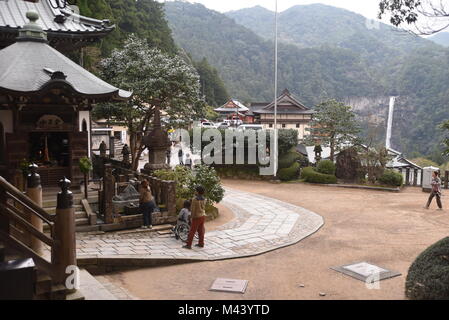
{"type": "Point", "coordinates": [155, 78]}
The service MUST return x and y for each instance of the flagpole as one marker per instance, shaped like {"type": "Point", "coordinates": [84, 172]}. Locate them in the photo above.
{"type": "Point", "coordinates": [275, 89]}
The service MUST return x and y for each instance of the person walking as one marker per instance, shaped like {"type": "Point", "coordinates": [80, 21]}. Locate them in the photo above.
{"type": "Point", "coordinates": [436, 191]}
{"type": "Point", "coordinates": [181, 156]}
{"type": "Point", "coordinates": [147, 204]}
{"type": "Point", "coordinates": [198, 214]}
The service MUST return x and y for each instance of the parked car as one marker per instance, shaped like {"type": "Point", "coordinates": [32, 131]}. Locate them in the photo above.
{"type": "Point", "coordinates": [223, 126]}
{"type": "Point", "coordinates": [209, 125]}
{"type": "Point", "coordinates": [256, 127]}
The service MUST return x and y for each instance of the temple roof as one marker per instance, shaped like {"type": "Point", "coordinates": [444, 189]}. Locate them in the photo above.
{"type": "Point", "coordinates": [286, 104]}
{"type": "Point", "coordinates": [231, 106]}
{"type": "Point", "coordinates": [31, 66]}
{"type": "Point", "coordinates": [60, 24]}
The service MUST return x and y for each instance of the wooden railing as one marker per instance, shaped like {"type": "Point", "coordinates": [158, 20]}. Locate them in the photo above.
{"type": "Point", "coordinates": [17, 211]}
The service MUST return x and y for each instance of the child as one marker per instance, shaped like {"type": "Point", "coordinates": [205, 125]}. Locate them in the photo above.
{"type": "Point", "coordinates": [184, 216]}
{"type": "Point", "coordinates": [436, 190]}
{"type": "Point", "coordinates": [198, 209]}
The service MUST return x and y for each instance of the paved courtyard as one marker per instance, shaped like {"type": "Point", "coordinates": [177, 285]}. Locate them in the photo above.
{"type": "Point", "coordinates": [383, 228]}
{"type": "Point", "coordinates": [261, 224]}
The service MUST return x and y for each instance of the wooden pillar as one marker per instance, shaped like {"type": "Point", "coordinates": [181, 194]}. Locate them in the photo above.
{"type": "Point", "coordinates": [64, 254]}
{"type": "Point", "coordinates": [415, 177]}
{"type": "Point", "coordinates": [407, 176]}
{"type": "Point", "coordinates": [422, 177]}
{"type": "Point", "coordinates": [34, 192]}
{"type": "Point", "coordinates": [108, 193]}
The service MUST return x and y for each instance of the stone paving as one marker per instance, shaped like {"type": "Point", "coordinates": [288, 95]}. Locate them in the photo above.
{"type": "Point", "coordinates": [261, 225]}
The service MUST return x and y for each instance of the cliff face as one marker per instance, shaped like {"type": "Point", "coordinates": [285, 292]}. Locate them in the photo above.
{"type": "Point", "coordinates": [372, 113]}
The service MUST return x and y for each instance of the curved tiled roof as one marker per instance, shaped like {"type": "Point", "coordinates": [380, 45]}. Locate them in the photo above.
{"type": "Point", "coordinates": [29, 66]}
{"type": "Point", "coordinates": [12, 15]}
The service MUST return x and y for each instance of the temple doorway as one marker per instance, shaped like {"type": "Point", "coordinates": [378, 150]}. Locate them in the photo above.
{"type": "Point", "coordinates": [50, 151]}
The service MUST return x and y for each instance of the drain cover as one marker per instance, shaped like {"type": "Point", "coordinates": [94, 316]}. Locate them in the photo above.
{"type": "Point", "coordinates": [364, 270]}
{"type": "Point", "coordinates": [229, 285]}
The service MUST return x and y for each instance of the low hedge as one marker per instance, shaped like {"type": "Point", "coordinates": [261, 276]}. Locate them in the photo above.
{"type": "Point", "coordinates": [310, 175]}
{"type": "Point", "coordinates": [391, 178]}
{"type": "Point", "coordinates": [288, 159]}
{"type": "Point", "coordinates": [428, 276]}
{"type": "Point", "coordinates": [326, 167]}
{"type": "Point", "coordinates": [289, 174]}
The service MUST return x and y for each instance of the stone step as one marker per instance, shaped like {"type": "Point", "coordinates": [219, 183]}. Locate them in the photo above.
{"type": "Point", "coordinates": [52, 210]}
{"type": "Point", "coordinates": [51, 202]}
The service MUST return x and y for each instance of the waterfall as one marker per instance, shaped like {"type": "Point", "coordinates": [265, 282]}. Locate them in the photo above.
{"type": "Point", "coordinates": [390, 122]}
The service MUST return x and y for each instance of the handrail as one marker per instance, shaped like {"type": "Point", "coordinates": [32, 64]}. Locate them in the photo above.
{"type": "Point", "coordinates": [17, 195]}
{"type": "Point", "coordinates": [12, 214]}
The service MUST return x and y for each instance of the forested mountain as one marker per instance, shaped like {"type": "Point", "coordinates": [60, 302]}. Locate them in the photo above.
{"type": "Point", "coordinates": [325, 53]}
{"type": "Point", "coordinates": [145, 18]}
{"type": "Point", "coordinates": [441, 38]}
{"type": "Point", "coordinates": [245, 60]}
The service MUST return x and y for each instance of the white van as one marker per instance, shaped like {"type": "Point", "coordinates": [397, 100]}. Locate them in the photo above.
{"type": "Point", "coordinates": [256, 127]}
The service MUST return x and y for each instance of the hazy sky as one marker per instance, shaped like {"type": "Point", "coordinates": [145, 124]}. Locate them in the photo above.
{"type": "Point", "coordinates": [368, 8]}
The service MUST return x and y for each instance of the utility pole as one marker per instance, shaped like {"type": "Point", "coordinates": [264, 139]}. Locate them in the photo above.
{"type": "Point", "coordinates": [275, 88]}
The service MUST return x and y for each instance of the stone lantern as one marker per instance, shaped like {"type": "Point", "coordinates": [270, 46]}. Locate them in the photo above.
{"type": "Point", "coordinates": [157, 142]}
{"type": "Point", "coordinates": [318, 151]}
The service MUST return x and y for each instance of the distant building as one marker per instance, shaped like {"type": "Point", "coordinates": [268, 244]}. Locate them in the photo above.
{"type": "Point", "coordinates": [291, 114]}
{"type": "Point", "coordinates": [235, 109]}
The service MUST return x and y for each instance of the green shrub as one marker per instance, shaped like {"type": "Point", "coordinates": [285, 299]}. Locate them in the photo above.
{"type": "Point", "coordinates": [326, 167]}
{"type": "Point", "coordinates": [391, 178]}
{"type": "Point", "coordinates": [428, 276]}
{"type": "Point", "coordinates": [310, 175]}
{"type": "Point", "coordinates": [289, 174]}
{"type": "Point", "coordinates": [288, 159]}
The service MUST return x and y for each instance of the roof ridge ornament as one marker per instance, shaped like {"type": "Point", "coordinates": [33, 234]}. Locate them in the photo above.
{"type": "Point", "coordinates": [32, 31]}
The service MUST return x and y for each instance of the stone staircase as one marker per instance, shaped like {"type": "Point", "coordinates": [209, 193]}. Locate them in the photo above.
{"type": "Point", "coordinates": [44, 289]}
{"type": "Point", "coordinates": [82, 219]}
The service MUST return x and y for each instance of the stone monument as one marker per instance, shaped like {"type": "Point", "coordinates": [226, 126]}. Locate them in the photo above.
{"type": "Point", "coordinates": [157, 142]}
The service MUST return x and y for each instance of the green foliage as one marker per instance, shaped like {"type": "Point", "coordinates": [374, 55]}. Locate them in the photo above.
{"type": "Point", "coordinates": [334, 125]}
{"type": "Point", "coordinates": [85, 165]}
{"type": "Point", "coordinates": [326, 52]}
{"type": "Point", "coordinates": [145, 18]}
{"type": "Point", "coordinates": [182, 176]}
{"type": "Point", "coordinates": [374, 161]}
{"type": "Point", "coordinates": [244, 60]}
{"type": "Point", "coordinates": [212, 86]}
{"type": "Point", "coordinates": [187, 180]}
{"type": "Point", "coordinates": [445, 126]}
{"type": "Point", "coordinates": [391, 178]}
{"type": "Point", "coordinates": [287, 139]}
{"type": "Point", "coordinates": [326, 167]}
{"type": "Point", "coordinates": [208, 178]}
{"type": "Point", "coordinates": [288, 159]}
{"type": "Point", "coordinates": [289, 174]}
{"type": "Point", "coordinates": [24, 166]}
{"type": "Point", "coordinates": [310, 175]}
{"type": "Point", "coordinates": [428, 276]}
{"type": "Point", "coordinates": [154, 78]}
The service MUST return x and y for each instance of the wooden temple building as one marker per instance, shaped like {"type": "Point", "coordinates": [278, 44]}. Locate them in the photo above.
{"type": "Point", "coordinates": [46, 98]}
{"type": "Point", "coordinates": [291, 114]}
{"type": "Point", "coordinates": [66, 30]}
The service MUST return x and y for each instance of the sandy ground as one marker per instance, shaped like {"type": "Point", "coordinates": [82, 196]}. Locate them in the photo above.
{"type": "Point", "coordinates": [387, 229]}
